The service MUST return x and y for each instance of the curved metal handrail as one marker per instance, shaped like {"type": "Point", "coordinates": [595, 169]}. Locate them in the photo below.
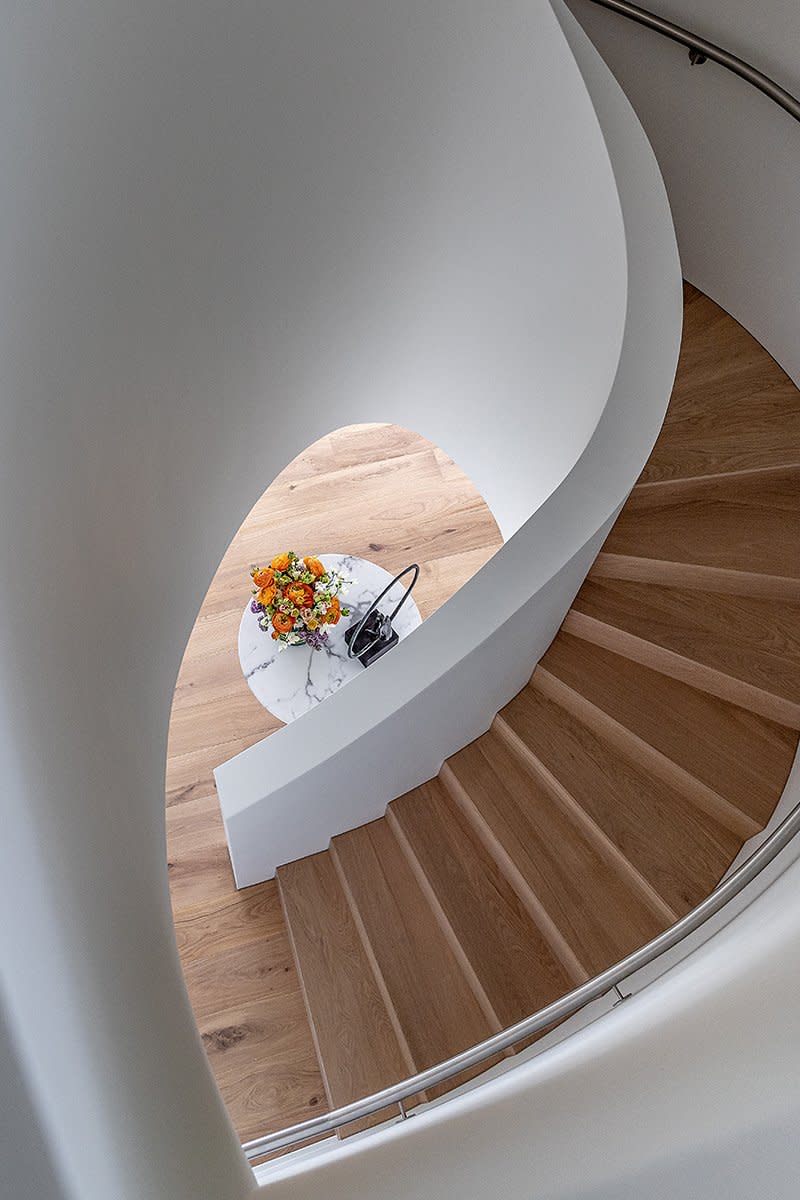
{"type": "Point", "coordinates": [704, 49]}
{"type": "Point", "coordinates": [552, 1014]}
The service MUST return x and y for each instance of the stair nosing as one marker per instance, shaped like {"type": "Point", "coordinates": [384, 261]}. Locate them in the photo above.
{"type": "Point", "coordinates": [606, 847]}
{"type": "Point", "coordinates": [679, 481]}
{"type": "Point", "coordinates": [458, 950]}
{"type": "Point", "coordinates": [644, 754]}
{"type": "Point", "coordinates": [726, 581]}
{"type": "Point", "coordinates": [527, 896]}
{"type": "Point", "coordinates": [687, 670]}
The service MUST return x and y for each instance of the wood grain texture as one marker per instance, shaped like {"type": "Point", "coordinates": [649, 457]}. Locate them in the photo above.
{"type": "Point", "coordinates": [599, 914]}
{"type": "Point", "coordinates": [383, 493]}
{"type": "Point", "coordinates": [435, 1006]}
{"type": "Point", "coordinates": [356, 1042]}
{"type": "Point", "coordinates": [732, 407]}
{"type": "Point", "coordinates": [746, 638]}
{"type": "Point", "coordinates": [745, 523]}
{"type": "Point", "coordinates": [740, 755]}
{"type": "Point", "coordinates": [516, 966]}
{"type": "Point", "coordinates": [646, 756]}
{"type": "Point", "coordinates": [681, 851]}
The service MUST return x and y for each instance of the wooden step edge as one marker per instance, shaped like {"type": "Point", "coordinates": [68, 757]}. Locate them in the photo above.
{"type": "Point", "coordinates": [686, 670]}
{"type": "Point", "coordinates": [377, 973]}
{"type": "Point", "coordinates": [478, 990]}
{"type": "Point", "coordinates": [309, 1011]}
{"type": "Point", "coordinates": [555, 939]}
{"type": "Point", "coordinates": [722, 580]}
{"type": "Point", "coordinates": [640, 752]}
{"type": "Point", "coordinates": [679, 483]}
{"type": "Point", "coordinates": [605, 846]}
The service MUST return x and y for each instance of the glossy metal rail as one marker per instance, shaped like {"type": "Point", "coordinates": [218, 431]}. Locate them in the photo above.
{"type": "Point", "coordinates": [592, 990]}
{"type": "Point", "coordinates": [700, 50]}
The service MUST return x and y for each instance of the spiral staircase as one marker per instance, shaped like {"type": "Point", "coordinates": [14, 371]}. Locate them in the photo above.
{"type": "Point", "coordinates": [227, 230]}
{"type": "Point", "coordinates": [616, 789]}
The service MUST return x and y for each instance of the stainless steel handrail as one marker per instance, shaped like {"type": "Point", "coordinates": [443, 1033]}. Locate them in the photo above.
{"type": "Point", "coordinates": [592, 990]}
{"type": "Point", "coordinates": [699, 46]}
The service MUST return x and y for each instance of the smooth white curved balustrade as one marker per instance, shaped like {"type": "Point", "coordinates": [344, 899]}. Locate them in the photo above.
{"type": "Point", "coordinates": [572, 333]}
{"type": "Point", "coordinates": [226, 230]}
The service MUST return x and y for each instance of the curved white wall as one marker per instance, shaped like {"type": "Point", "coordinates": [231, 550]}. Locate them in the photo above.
{"type": "Point", "coordinates": [225, 230]}
{"type": "Point", "coordinates": [730, 157]}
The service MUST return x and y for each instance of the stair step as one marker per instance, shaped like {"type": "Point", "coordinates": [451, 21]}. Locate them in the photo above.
{"type": "Point", "coordinates": [743, 757]}
{"type": "Point", "coordinates": [596, 908]}
{"type": "Point", "coordinates": [696, 577]}
{"type": "Point", "coordinates": [679, 849]}
{"type": "Point", "coordinates": [732, 407]}
{"type": "Point", "coordinates": [513, 963]}
{"type": "Point", "coordinates": [745, 522]}
{"type": "Point", "coordinates": [436, 1009]}
{"type": "Point", "coordinates": [742, 649]}
{"type": "Point", "coordinates": [357, 1045]}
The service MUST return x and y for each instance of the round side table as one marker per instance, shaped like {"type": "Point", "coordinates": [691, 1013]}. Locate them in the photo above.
{"type": "Point", "coordinates": [290, 680]}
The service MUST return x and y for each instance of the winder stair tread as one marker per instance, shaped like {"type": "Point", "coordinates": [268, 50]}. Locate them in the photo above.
{"type": "Point", "coordinates": [357, 1046]}
{"type": "Point", "coordinates": [747, 522]}
{"type": "Point", "coordinates": [742, 648]}
{"type": "Point", "coordinates": [513, 963]}
{"type": "Point", "coordinates": [435, 1007]}
{"type": "Point", "coordinates": [597, 908]}
{"type": "Point", "coordinates": [742, 756]}
{"type": "Point", "coordinates": [680, 850]}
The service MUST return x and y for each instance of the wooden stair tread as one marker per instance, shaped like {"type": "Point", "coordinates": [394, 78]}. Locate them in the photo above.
{"type": "Point", "coordinates": [513, 962]}
{"type": "Point", "coordinates": [436, 1008]}
{"type": "Point", "coordinates": [680, 850]}
{"type": "Point", "coordinates": [747, 523]}
{"type": "Point", "coordinates": [753, 640]}
{"type": "Point", "coordinates": [742, 756]}
{"type": "Point", "coordinates": [732, 406]}
{"type": "Point", "coordinates": [601, 915]}
{"type": "Point", "coordinates": [356, 1043]}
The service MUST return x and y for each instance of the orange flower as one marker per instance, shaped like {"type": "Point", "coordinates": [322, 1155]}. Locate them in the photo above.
{"type": "Point", "coordinates": [262, 576]}
{"type": "Point", "coordinates": [334, 612]}
{"type": "Point", "coordinates": [315, 567]}
{"type": "Point", "coordinates": [300, 594]}
{"type": "Point", "coordinates": [280, 562]}
{"type": "Point", "coordinates": [266, 595]}
{"type": "Point", "coordinates": [282, 622]}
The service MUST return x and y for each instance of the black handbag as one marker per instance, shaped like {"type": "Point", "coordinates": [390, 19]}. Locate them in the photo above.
{"type": "Point", "coordinates": [373, 635]}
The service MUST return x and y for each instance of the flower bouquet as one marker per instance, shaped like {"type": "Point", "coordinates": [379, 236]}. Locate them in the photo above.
{"type": "Point", "coordinates": [296, 598]}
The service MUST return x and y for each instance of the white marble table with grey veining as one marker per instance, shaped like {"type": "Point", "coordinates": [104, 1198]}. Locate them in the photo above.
{"type": "Point", "coordinates": [289, 681]}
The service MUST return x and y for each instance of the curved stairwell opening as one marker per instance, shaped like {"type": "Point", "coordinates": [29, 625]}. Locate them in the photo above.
{"type": "Point", "coordinates": [612, 794]}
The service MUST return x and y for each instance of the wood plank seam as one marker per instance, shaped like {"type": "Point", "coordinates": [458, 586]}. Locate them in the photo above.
{"type": "Point", "coordinates": [643, 754]}
{"type": "Point", "coordinates": [687, 670]}
{"type": "Point", "coordinates": [531, 902]}
{"type": "Point", "coordinates": [439, 914]}
{"type": "Point", "coordinates": [605, 846]}
{"type": "Point", "coordinates": [722, 580]}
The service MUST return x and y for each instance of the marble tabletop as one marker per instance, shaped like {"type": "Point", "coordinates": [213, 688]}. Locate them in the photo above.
{"type": "Point", "coordinates": [289, 681]}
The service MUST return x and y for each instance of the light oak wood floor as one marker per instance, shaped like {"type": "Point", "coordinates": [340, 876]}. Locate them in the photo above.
{"type": "Point", "coordinates": [376, 491]}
